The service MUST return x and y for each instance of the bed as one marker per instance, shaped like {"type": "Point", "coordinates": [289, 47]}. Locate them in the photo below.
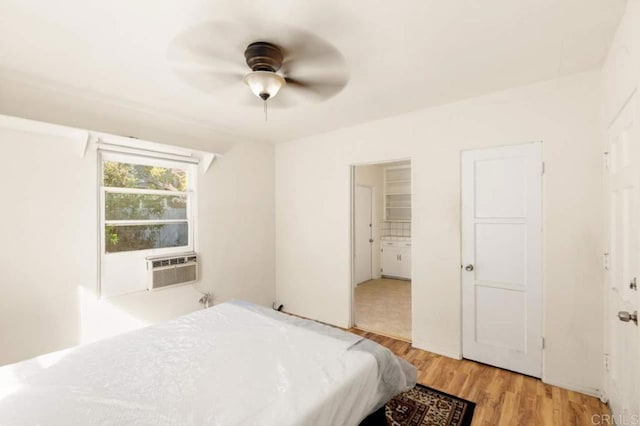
{"type": "Point", "coordinates": [233, 364]}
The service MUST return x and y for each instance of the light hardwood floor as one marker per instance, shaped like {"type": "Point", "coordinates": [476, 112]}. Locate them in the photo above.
{"type": "Point", "coordinates": [501, 397]}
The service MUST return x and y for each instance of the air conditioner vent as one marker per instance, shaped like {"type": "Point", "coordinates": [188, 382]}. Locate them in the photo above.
{"type": "Point", "coordinates": [173, 270]}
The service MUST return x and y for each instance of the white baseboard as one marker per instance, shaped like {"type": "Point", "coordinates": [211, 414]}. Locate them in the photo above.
{"type": "Point", "coordinates": [576, 388]}
{"type": "Point", "coordinates": [440, 351]}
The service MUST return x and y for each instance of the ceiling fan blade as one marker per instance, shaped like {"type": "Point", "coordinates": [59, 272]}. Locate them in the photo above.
{"type": "Point", "coordinates": [208, 44]}
{"type": "Point", "coordinates": [303, 51]}
{"type": "Point", "coordinates": [200, 67]}
{"type": "Point", "coordinates": [209, 81]}
{"type": "Point", "coordinates": [319, 89]}
{"type": "Point", "coordinates": [299, 65]}
{"type": "Point", "coordinates": [285, 99]}
{"type": "Point", "coordinates": [248, 99]}
{"type": "Point", "coordinates": [180, 57]}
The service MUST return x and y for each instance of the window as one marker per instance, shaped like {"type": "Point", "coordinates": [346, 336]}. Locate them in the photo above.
{"type": "Point", "coordinates": [146, 205]}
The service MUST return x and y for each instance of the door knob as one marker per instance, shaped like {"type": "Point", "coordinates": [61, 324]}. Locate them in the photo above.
{"type": "Point", "coordinates": [370, 240]}
{"type": "Point", "coordinates": [625, 316]}
{"type": "Point", "coordinates": [469, 268]}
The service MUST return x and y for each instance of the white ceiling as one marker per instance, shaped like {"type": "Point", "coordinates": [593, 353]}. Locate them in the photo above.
{"type": "Point", "coordinates": [103, 64]}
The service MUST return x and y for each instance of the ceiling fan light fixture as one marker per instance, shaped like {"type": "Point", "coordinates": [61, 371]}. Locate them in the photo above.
{"type": "Point", "coordinates": [264, 84]}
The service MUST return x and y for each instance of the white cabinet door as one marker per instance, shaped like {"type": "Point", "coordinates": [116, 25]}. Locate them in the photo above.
{"type": "Point", "coordinates": [396, 260]}
{"type": "Point", "coordinates": [501, 251]}
{"type": "Point", "coordinates": [390, 261]}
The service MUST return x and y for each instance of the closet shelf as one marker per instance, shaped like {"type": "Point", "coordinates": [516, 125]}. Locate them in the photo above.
{"type": "Point", "coordinates": [397, 193]}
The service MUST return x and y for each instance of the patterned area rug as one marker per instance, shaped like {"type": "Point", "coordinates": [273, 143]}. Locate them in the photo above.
{"type": "Point", "coordinates": [423, 406]}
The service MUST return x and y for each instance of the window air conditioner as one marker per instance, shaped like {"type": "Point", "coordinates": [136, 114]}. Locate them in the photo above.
{"type": "Point", "coordinates": [167, 271]}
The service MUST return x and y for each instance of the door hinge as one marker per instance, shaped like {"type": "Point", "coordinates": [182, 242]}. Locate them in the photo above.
{"type": "Point", "coordinates": [606, 261]}
{"type": "Point", "coordinates": [606, 362]}
{"type": "Point", "coordinates": [543, 343]}
{"type": "Point", "coordinates": [542, 169]}
{"type": "Point", "coordinates": [606, 160]}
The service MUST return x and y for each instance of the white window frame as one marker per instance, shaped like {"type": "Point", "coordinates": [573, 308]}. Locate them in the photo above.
{"type": "Point", "coordinates": [191, 193]}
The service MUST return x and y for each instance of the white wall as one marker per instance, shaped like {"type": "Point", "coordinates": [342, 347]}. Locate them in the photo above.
{"type": "Point", "coordinates": [312, 224]}
{"type": "Point", "coordinates": [49, 256]}
{"type": "Point", "coordinates": [621, 70]}
{"type": "Point", "coordinates": [371, 176]}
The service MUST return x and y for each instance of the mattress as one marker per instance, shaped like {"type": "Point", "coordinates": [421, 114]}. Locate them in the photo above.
{"type": "Point", "coordinates": [233, 364]}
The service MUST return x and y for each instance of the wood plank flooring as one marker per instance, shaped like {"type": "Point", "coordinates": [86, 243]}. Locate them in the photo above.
{"type": "Point", "coordinates": [501, 397]}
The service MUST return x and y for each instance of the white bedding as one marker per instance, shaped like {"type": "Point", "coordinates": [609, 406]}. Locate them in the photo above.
{"type": "Point", "coordinates": [234, 364]}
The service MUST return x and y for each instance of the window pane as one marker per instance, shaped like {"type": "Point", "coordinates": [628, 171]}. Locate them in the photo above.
{"type": "Point", "coordinates": [126, 175]}
{"type": "Point", "coordinates": [143, 237]}
{"type": "Point", "coordinates": [144, 207]}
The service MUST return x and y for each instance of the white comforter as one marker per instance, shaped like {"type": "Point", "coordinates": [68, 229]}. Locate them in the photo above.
{"type": "Point", "coordinates": [234, 364]}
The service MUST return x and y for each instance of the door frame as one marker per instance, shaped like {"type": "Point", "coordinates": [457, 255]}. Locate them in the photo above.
{"type": "Point", "coordinates": [542, 250]}
{"type": "Point", "coordinates": [352, 231]}
{"type": "Point", "coordinates": [631, 101]}
{"type": "Point", "coordinates": [370, 231]}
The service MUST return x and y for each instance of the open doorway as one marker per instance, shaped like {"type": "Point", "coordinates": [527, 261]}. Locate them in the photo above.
{"type": "Point", "coordinates": [381, 249]}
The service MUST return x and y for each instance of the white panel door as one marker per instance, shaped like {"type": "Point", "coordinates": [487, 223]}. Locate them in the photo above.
{"type": "Point", "coordinates": [501, 255]}
{"type": "Point", "coordinates": [621, 295]}
{"type": "Point", "coordinates": [363, 244]}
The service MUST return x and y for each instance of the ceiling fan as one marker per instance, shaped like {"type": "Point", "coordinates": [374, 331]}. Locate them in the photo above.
{"type": "Point", "coordinates": [264, 59]}
{"type": "Point", "coordinates": [289, 69]}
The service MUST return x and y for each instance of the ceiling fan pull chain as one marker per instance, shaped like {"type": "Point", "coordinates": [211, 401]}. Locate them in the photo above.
{"type": "Point", "coordinates": [265, 110]}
